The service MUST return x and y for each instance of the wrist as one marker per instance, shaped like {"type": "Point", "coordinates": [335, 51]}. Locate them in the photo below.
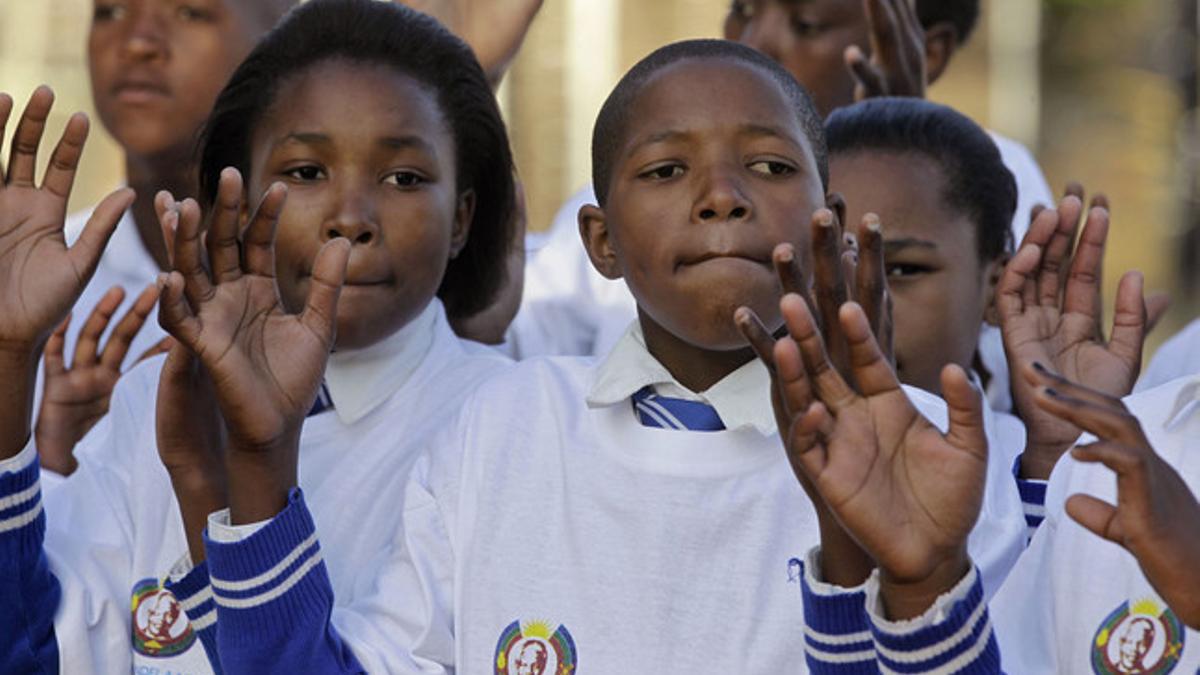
{"type": "Point", "coordinates": [259, 480]}
{"type": "Point", "coordinates": [1039, 458]}
{"type": "Point", "coordinates": [905, 598]}
{"type": "Point", "coordinates": [843, 562]}
{"type": "Point", "coordinates": [18, 371]}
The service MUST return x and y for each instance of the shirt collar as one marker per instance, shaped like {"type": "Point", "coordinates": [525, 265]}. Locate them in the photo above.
{"type": "Point", "coordinates": [360, 380]}
{"type": "Point", "coordinates": [1187, 401]}
{"type": "Point", "coordinates": [742, 398]}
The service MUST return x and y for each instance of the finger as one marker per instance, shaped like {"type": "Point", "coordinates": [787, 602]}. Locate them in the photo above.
{"type": "Point", "coordinates": [22, 161]}
{"type": "Point", "coordinates": [329, 273]}
{"type": "Point", "coordinates": [871, 80]}
{"type": "Point", "coordinates": [85, 254]}
{"type": "Point", "coordinates": [826, 382]}
{"type": "Point", "coordinates": [174, 314]}
{"type": "Point", "coordinates": [127, 329]}
{"type": "Point", "coordinates": [188, 256]}
{"type": "Point", "coordinates": [6, 105]}
{"type": "Point", "coordinates": [163, 346]}
{"type": "Point", "coordinates": [787, 268]}
{"type": "Point", "coordinates": [1012, 291]}
{"type": "Point", "coordinates": [1129, 322]}
{"type": "Point", "coordinates": [829, 286]}
{"type": "Point", "coordinates": [1084, 278]}
{"type": "Point", "coordinates": [871, 369]}
{"type": "Point", "coordinates": [64, 161]}
{"type": "Point", "coordinates": [1157, 304]}
{"type": "Point", "coordinates": [1035, 211]}
{"type": "Point", "coordinates": [55, 346]}
{"type": "Point", "coordinates": [871, 277]}
{"type": "Point", "coordinates": [88, 344]}
{"type": "Point", "coordinates": [224, 254]}
{"type": "Point", "coordinates": [259, 239]}
{"type": "Point", "coordinates": [1099, 201]}
{"type": "Point", "coordinates": [805, 446]}
{"type": "Point", "coordinates": [1054, 260]}
{"type": "Point", "coordinates": [965, 411]}
{"type": "Point", "coordinates": [757, 335]}
{"type": "Point", "coordinates": [882, 26]}
{"type": "Point", "coordinates": [1039, 376]}
{"type": "Point", "coordinates": [1101, 421]}
{"type": "Point", "coordinates": [795, 390]}
{"type": "Point", "coordinates": [1074, 189]}
{"type": "Point", "coordinates": [164, 201]}
{"type": "Point", "coordinates": [1097, 516]}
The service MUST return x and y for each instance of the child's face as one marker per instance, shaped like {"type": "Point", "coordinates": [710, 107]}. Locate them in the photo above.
{"type": "Point", "coordinates": [808, 38]}
{"type": "Point", "coordinates": [366, 156]}
{"type": "Point", "coordinates": [939, 287]}
{"type": "Point", "coordinates": [157, 66]}
{"type": "Point", "coordinates": [715, 171]}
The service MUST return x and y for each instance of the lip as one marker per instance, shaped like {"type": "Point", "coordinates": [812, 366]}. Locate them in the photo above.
{"type": "Point", "coordinates": [140, 89]}
{"type": "Point", "coordinates": [725, 255]}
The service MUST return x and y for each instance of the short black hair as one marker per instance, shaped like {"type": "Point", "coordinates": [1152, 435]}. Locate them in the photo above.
{"type": "Point", "coordinates": [964, 14]}
{"type": "Point", "coordinates": [977, 182]}
{"type": "Point", "coordinates": [389, 34]}
{"type": "Point", "coordinates": [611, 125]}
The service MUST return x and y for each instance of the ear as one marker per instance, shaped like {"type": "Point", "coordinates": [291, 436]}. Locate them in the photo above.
{"type": "Point", "coordinates": [597, 239]}
{"type": "Point", "coordinates": [463, 214]}
{"type": "Point", "coordinates": [992, 273]}
{"type": "Point", "coordinates": [941, 41]}
{"type": "Point", "coordinates": [836, 203]}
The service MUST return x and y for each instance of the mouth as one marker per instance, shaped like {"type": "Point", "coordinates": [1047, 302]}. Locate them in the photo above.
{"type": "Point", "coordinates": [715, 256]}
{"type": "Point", "coordinates": [140, 90]}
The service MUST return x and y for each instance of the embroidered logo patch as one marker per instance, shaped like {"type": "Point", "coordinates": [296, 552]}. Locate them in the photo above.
{"type": "Point", "coordinates": [1143, 637]}
{"type": "Point", "coordinates": [160, 626]}
{"type": "Point", "coordinates": [533, 650]}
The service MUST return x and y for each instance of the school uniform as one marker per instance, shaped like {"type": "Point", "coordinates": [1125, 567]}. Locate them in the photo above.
{"type": "Point", "coordinates": [581, 515]}
{"type": "Point", "coordinates": [568, 308]}
{"type": "Point", "coordinates": [1074, 603]}
{"type": "Point", "coordinates": [113, 533]}
{"type": "Point", "coordinates": [1177, 357]}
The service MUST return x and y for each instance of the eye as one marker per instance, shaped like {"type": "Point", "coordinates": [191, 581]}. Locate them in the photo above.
{"type": "Point", "coordinates": [663, 172]}
{"type": "Point", "coordinates": [742, 9]}
{"type": "Point", "coordinates": [109, 11]}
{"type": "Point", "coordinates": [193, 13]}
{"type": "Point", "coordinates": [405, 179]}
{"type": "Point", "coordinates": [896, 271]}
{"type": "Point", "coordinates": [769, 167]}
{"type": "Point", "coordinates": [804, 27]}
{"type": "Point", "coordinates": [306, 173]}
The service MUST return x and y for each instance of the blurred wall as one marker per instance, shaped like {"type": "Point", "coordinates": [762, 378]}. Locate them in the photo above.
{"type": "Point", "coordinates": [1094, 88]}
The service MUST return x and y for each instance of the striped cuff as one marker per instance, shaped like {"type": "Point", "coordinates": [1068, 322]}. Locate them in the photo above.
{"type": "Point", "coordinates": [953, 636]}
{"type": "Point", "coordinates": [1033, 499]}
{"type": "Point", "coordinates": [195, 595]}
{"type": "Point", "coordinates": [21, 519]}
{"type": "Point", "coordinates": [837, 635]}
{"type": "Point", "coordinates": [270, 581]}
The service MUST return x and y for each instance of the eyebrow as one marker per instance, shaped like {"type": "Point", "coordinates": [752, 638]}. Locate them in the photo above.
{"type": "Point", "coordinates": [754, 130]}
{"type": "Point", "coordinates": [390, 142]}
{"type": "Point", "coordinates": [893, 245]}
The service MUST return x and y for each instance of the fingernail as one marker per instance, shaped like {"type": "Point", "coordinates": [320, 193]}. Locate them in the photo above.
{"type": "Point", "coordinates": [1052, 393]}
{"type": "Point", "coordinates": [873, 223]}
{"type": "Point", "coordinates": [161, 280]}
{"type": "Point", "coordinates": [825, 219]}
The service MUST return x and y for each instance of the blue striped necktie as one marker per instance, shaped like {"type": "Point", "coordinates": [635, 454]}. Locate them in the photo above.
{"type": "Point", "coordinates": [664, 412]}
{"type": "Point", "coordinates": [324, 402]}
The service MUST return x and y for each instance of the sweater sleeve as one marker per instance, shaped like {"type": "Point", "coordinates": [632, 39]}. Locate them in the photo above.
{"type": "Point", "coordinates": [274, 600]}
{"type": "Point", "coordinates": [837, 634]}
{"type": "Point", "coordinates": [1033, 500]}
{"type": "Point", "coordinates": [29, 592]}
{"type": "Point", "coordinates": [190, 586]}
{"type": "Point", "coordinates": [954, 636]}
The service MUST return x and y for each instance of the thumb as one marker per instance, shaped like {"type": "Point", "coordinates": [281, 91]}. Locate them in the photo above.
{"type": "Point", "coordinates": [965, 410]}
{"type": "Point", "coordinates": [329, 273]}
{"type": "Point", "coordinates": [174, 314]}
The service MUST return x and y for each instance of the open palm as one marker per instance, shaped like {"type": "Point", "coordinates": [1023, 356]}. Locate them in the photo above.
{"type": "Point", "coordinates": [41, 277]}
{"type": "Point", "coordinates": [266, 365]}
{"type": "Point", "coordinates": [1047, 321]}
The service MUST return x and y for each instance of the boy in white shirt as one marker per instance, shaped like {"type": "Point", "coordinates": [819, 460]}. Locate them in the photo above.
{"type": "Point", "coordinates": [616, 515]}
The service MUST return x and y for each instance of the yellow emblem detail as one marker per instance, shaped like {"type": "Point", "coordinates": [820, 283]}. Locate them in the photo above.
{"type": "Point", "coordinates": [1147, 607]}
{"type": "Point", "coordinates": [538, 629]}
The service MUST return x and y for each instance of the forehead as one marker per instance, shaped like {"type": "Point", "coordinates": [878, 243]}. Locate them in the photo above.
{"type": "Point", "coordinates": [702, 94]}
{"type": "Point", "coordinates": [906, 190]}
{"type": "Point", "coordinates": [352, 97]}
{"type": "Point", "coordinates": [843, 9]}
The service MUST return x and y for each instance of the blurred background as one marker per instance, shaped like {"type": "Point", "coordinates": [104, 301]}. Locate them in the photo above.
{"type": "Point", "coordinates": [1102, 91]}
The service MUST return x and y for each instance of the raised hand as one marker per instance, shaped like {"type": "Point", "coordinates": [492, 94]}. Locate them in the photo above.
{"type": "Point", "coordinates": [1156, 517]}
{"type": "Point", "coordinates": [75, 398]}
{"type": "Point", "coordinates": [40, 277]}
{"type": "Point", "coordinates": [266, 365]}
{"type": "Point", "coordinates": [897, 63]}
{"type": "Point", "coordinates": [494, 29]}
{"type": "Point", "coordinates": [1049, 313]}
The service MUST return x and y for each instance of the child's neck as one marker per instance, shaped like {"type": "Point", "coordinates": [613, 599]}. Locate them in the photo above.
{"type": "Point", "coordinates": [147, 176]}
{"type": "Point", "coordinates": [694, 367]}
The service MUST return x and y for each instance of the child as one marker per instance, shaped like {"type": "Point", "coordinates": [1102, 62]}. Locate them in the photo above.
{"type": "Point", "coordinates": [569, 309]}
{"type": "Point", "coordinates": [384, 131]}
{"type": "Point", "coordinates": [156, 67]}
{"type": "Point", "coordinates": [632, 514]}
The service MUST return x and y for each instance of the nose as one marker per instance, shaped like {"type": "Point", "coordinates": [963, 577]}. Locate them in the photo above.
{"type": "Point", "coordinates": [355, 218]}
{"type": "Point", "coordinates": [145, 38]}
{"type": "Point", "coordinates": [721, 198]}
{"type": "Point", "coordinates": [767, 31]}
